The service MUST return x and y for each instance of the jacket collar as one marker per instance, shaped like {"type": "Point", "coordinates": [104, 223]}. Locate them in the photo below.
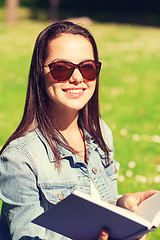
{"type": "Point", "coordinates": [64, 153]}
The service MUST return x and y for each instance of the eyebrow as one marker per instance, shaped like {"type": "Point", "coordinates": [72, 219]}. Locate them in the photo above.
{"type": "Point", "coordinates": [66, 60]}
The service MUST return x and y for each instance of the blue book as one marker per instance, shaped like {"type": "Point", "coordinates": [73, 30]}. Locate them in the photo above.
{"type": "Point", "coordinates": [80, 217]}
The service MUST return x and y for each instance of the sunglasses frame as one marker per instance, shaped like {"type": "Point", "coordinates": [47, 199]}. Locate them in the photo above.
{"type": "Point", "coordinates": [78, 66]}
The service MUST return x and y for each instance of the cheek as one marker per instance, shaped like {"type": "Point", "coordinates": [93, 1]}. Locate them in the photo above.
{"type": "Point", "coordinates": [53, 89]}
{"type": "Point", "coordinates": [50, 91]}
{"type": "Point", "coordinates": [92, 86]}
{"type": "Point", "coordinates": [50, 86]}
{"type": "Point", "coordinates": [91, 90]}
{"type": "Point", "coordinates": [48, 80]}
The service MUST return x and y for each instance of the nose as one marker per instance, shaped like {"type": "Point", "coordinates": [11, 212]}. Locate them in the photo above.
{"type": "Point", "coordinates": [76, 77]}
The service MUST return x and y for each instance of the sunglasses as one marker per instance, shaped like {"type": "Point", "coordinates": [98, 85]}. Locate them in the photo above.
{"type": "Point", "coordinates": [63, 70]}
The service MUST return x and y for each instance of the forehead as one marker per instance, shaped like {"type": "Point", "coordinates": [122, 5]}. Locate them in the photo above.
{"type": "Point", "coordinates": [71, 47]}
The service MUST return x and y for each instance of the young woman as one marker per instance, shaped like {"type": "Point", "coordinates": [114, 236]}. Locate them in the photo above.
{"type": "Point", "coordinates": [61, 144]}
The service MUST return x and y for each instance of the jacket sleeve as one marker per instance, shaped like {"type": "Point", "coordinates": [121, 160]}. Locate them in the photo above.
{"type": "Point", "coordinates": [20, 196]}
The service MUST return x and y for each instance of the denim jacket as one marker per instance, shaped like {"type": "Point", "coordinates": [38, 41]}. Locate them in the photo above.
{"type": "Point", "coordinates": [30, 183]}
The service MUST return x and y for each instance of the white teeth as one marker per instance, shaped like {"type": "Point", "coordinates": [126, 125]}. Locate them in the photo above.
{"type": "Point", "coordinates": [75, 90]}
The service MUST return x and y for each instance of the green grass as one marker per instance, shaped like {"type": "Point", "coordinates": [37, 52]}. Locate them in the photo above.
{"type": "Point", "coordinates": [129, 93]}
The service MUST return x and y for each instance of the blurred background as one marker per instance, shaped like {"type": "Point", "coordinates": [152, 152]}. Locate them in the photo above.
{"type": "Point", "coordinates": [125, 11]}
{"type": "Point", "coordinates": [128, 38]}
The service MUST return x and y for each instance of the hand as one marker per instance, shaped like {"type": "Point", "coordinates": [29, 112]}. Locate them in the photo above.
{"type": "Point", "coordinates": [131, 201]}
{"type": "Point", "coordinates": [103, 235]}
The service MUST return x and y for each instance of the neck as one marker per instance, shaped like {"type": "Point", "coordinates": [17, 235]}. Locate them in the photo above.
{"type": "Point", "coordinates": [66, 120]}
{"type": "Point", "coordinates": [67, 124]}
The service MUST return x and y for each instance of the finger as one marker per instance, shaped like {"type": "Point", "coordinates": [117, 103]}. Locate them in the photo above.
{"type": "Point", "coordinates": [128, 201]}
{"type": "Point", "coordinates": [104, 235]}
{"type": "Point", "coordinates": [145, 195]}
{"type": "Point", "coordinates": [141, 196]}
{"type": "Point", "coordinates": [131, 205]}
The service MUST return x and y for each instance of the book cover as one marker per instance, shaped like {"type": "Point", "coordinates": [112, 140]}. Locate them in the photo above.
{"type": "Point", "coordinates": [79, 217]}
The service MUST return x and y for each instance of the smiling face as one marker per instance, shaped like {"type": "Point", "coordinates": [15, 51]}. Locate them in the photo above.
{"type": "Point", "coordinates": [74, 93]}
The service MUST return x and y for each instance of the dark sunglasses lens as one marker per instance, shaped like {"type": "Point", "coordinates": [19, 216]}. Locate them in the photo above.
{"type": "Point", "coordinates": [90, 70]}
{"type": "Point", "coordinates": [61, 71]}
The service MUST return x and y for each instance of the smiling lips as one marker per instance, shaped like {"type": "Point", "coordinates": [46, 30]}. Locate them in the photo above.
{"type": "Point", "coordinates": [74, 92]}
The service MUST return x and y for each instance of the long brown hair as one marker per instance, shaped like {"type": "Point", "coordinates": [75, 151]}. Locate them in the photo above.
{"type": "Point", "coordinates": [36, 112]}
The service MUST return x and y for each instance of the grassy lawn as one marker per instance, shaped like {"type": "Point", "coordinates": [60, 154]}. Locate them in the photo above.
{"type": "Point", "coordinates": [129, 93]}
